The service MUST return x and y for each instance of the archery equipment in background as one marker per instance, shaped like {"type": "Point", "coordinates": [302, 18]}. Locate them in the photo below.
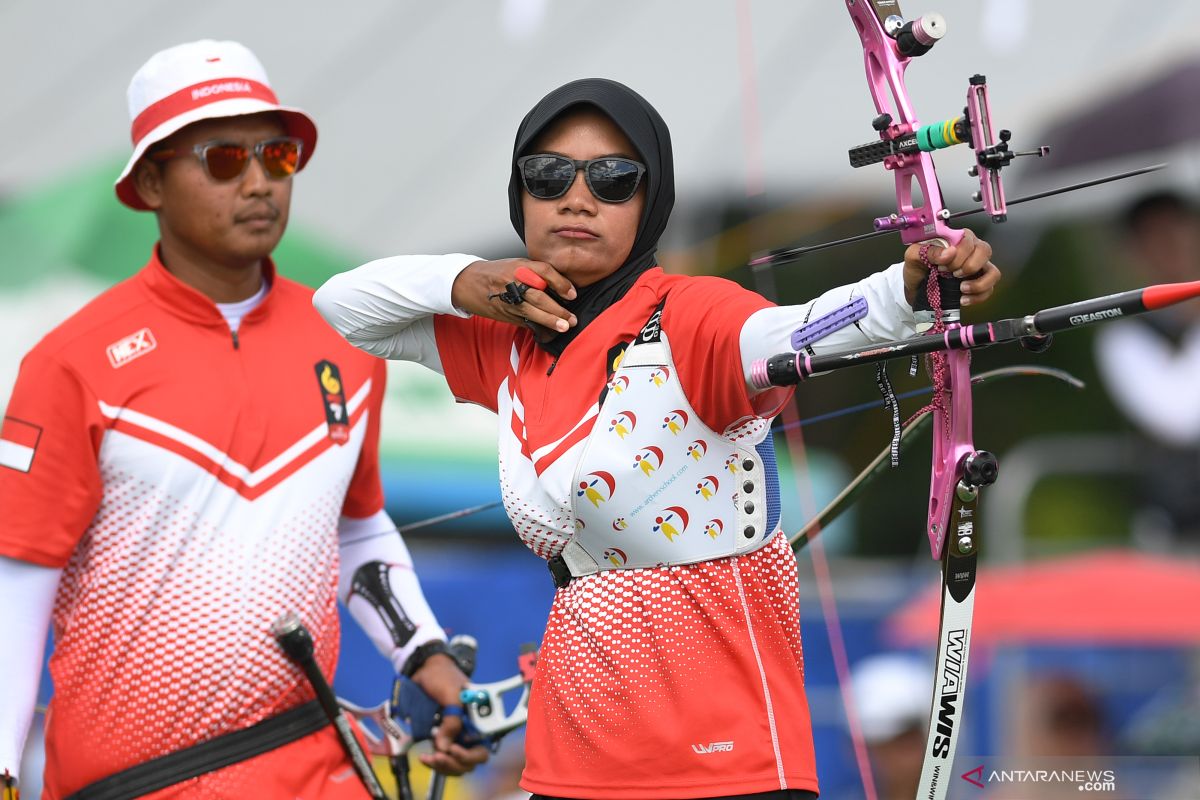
{"type": "Point", "coordinates": [297, 643]}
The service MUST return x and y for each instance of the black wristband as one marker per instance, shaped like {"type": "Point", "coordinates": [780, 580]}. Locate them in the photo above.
{"type": "Point", "coordinates": [421, 655]}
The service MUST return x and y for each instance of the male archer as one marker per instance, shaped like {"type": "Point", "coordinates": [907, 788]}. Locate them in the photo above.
{"type": "Point", "coordinates": [187, 458]}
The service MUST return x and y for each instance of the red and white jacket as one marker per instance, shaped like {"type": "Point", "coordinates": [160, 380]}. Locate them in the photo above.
{"type": "Point", "coordinates": [189, 483]}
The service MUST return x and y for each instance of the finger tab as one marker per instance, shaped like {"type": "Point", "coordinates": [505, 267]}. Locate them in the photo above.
{"type": "Point", "coordinates": [530, 278]}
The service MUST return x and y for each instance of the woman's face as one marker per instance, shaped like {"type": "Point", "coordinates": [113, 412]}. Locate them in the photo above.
{"type": "Point", "coordinates": [583, 238]}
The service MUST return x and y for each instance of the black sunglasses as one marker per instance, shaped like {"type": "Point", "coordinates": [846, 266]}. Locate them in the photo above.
{"type": "Point", "coordinates": [611, 179]}
{"type": "Point", "coordinates": [225, 161]}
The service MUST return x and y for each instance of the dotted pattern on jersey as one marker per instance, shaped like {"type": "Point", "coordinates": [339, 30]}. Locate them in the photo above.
{"type": "Point", "coordinates": [752, 428]}
{"type": "Point", "coordinates": [544, 524]}
{"type": "Point", "coordinates": [162, 620]}
{"type": "Point", "coordinates": [628, 651]}
{"type": "Point", "coordinates": [544, 532]}
{"type": "Point", "coordinates": [770, 579]}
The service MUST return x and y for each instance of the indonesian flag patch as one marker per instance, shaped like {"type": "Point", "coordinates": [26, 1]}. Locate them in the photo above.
{"type": "Point", "coordinates": [18, 444]}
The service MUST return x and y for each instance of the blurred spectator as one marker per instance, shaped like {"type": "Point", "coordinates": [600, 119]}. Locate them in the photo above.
{"type": "Point", "coordinates": [892, 692]}
{"type": "Point", "coordinates": [1058, 716]}
{"type": "Point", "coordinates": [1150, 366]}
{"type": "Point", "coordinates": [1055, 716]}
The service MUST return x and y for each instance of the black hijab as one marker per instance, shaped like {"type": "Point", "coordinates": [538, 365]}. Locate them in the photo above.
{"type": "Point", "coordinates": [638, 120]}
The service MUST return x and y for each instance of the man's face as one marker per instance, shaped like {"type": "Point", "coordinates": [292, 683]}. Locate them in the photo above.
{"type": "Point", "coordinates": [1168, 243]}
{"type": "Point", "coordinates": [233, 223]}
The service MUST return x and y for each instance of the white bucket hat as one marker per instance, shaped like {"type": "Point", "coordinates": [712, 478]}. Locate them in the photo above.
{"type": "Point", "coordinates": [195, 81]}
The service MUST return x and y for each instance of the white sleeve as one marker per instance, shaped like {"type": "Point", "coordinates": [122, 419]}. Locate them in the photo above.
{"type": "Point", "coordinates": [386, 307]}
{"type": "Point", "coordinates": [26, 600]}
{"type": "Point", "coordinates": [769, 332]}
{"type": "Point", "coordinates": [379, 587]}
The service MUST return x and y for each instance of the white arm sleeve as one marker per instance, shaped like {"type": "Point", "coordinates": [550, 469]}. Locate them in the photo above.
{"type": "Point", "coordinates": [1154, 383]}
{"type": "Point", "coordinates": [386, 307]}
{"type": "Point", "coordinates": [26, 600]}
{"type": "Point", "coordinates": [379, 587]}
{"type": "Point", "coordinates": [769, 332]}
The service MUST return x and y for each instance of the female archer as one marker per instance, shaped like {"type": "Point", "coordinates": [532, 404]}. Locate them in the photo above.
{"type": "Point", "coordinates": [635, 455]}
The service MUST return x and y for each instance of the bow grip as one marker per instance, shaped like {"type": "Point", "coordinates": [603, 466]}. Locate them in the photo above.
{"type": "Point", "coordinates": [420, 713]}
{"type": "Point", "coordinates": [949, 287]}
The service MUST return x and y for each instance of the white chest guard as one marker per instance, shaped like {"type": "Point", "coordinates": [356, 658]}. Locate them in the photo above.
{"type": "Point", "coordinates": [655, 485]}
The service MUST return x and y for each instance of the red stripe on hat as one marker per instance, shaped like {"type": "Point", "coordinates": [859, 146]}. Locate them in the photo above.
{"type": "Point", "coordinates": [195, 96]}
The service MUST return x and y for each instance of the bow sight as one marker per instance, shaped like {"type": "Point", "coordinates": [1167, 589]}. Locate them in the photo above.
{"type": "Point", "coordinates": [895, 146]}
{"type": "Point", "coordinates": [889, 43]}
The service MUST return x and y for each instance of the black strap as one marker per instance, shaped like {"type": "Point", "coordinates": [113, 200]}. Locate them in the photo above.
{"type": "Point", "coordinates": [890, 403]}
{"type": "Point", "coordinates": [652, 331]}
{"type": "Point", "coordinates": [199, 759]}
{"type": "Point", "coordinates": [559, 571]}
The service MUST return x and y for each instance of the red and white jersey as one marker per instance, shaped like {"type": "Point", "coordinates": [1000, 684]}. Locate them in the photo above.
{"type": "Point", "coordinates": [674, 682]}
{"type": "Point", "coordinates": [189, 482]}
